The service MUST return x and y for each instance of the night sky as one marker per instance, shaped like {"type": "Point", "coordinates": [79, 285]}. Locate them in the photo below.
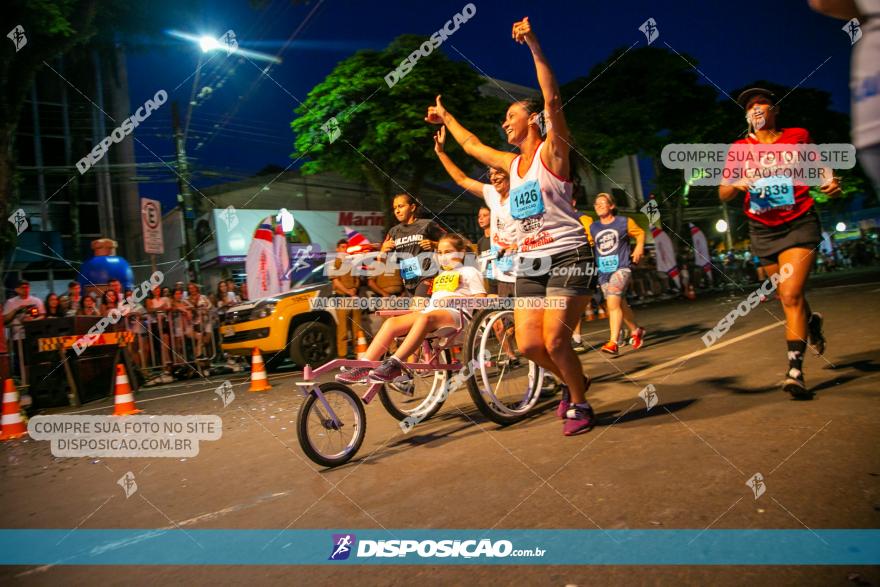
{"type": "Point", "coordinates": [783, 41]}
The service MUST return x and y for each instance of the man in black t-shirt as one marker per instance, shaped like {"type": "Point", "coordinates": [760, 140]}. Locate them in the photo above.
{"type": "Point", "coordinates": [408, 239]}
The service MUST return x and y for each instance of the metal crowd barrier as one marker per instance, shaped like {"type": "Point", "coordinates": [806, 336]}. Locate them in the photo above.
{"type": "Point", "coordinates": [166, 341]}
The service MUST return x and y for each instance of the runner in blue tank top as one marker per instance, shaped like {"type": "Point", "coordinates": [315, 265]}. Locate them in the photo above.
{"type": "Point", "coordinates": [610, 239]}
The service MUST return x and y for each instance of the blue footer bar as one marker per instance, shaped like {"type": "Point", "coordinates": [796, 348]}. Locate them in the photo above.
{"type": "Point", "coordinates": [456, 547]}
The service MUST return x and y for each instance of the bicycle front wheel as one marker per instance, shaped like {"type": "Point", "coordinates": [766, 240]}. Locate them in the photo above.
{"type": "Point", "coordinates": [327, 442]}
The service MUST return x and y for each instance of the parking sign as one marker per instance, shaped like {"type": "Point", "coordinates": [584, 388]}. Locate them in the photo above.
{"type": "Point", "coordinates": [151, 220]}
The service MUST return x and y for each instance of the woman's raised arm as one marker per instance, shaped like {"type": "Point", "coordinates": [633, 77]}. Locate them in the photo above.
{"type": "Point", "coordinates": [485, 154]}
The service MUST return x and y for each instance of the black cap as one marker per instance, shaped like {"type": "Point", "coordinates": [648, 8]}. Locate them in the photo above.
{"type": "Point", "coordinates": [745, 96]}
{"type": "Point", "coordinates": [22, 282]}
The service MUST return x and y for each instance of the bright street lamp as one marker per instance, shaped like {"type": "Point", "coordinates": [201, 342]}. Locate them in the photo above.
{"type": "Point", "coordinates": [840, 227]}
{"type": "Point", "coordinates": [721, 226]}
{"type": "Point", "coordinates": [208, 43]}
{"type": "Point", "coordinates": [226, 41]}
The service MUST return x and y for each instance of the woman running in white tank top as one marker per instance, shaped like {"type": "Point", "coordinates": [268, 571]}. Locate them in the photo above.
{"type": "Point", "coordinates": [540, 200]}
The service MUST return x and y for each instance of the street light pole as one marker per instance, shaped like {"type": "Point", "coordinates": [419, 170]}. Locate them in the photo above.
{"type": "Point", "coordinates": [184, 197]}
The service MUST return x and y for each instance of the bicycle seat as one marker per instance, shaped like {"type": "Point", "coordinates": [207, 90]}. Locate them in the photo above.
{"type": "Point", "coordinates": [446, 337]}
{"type": "Point", "coordinates": [387, 313]}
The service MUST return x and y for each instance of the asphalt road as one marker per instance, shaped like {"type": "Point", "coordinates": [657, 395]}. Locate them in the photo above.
{"type": "Point", "coordinates": [721, 418]}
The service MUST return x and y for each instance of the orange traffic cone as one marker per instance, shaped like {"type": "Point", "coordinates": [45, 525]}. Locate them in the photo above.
{"type": "Point", "coordinates": [691, 294]}
{"type": "Point", "coordinates": [259, 381]}
{"type": "Point", "coordinates": [12, 422]}
{"type": "Point", "coordinates": [361, 344]}
{"type": "Point", "coordinates": [123, 399]}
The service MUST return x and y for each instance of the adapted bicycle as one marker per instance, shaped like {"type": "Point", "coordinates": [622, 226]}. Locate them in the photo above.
{"type": "Point", "coordinates": [331, 424]}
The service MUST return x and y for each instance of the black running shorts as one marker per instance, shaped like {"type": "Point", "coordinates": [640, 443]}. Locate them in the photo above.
{"type": "Point", "coordinates": [570, 274]}
{"type": "Point", "coordinates": [805, 231]}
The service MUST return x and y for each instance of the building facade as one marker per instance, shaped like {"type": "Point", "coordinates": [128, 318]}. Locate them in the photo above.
{"type": "Point", "coordinates": [72, 105]}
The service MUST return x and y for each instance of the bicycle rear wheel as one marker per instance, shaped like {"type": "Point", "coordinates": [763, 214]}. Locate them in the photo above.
{"type": "Point", "coordinates": [504, 388]}
{"type": "Point", "coordinates": [421, 397]}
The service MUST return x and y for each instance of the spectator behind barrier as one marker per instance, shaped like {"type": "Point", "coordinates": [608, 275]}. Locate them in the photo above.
{"type": "Point", "coordinates": [88, 307]}
{"type": "Point", "coordinates": [53, 306]}
{"type": "Point", "coordinates": [72, 300]}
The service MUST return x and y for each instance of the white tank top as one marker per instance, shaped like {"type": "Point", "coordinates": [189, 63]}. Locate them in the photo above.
{"type": "Point", "coordinates": [502, 234]}
{"type": "Point", "coordinates": [540, 202]}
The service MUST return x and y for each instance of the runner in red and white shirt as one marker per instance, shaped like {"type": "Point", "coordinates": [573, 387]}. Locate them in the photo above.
{"type": "Point", "coordinates": [540, 200]}
{"type": "Point", "coordinates": [783, 226]}
{"type": "Point", "coordinates": [753, 205]}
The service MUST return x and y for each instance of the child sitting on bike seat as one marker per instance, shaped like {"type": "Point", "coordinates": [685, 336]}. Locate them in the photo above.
{"type": "Point", "coordinates": [456, 280]}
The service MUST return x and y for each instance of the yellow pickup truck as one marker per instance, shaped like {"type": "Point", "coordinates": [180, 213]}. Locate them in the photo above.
{"type": "Point", "coordinates": [284, 326]}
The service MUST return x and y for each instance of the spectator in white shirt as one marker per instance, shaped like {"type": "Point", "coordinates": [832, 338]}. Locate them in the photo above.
{"type": "Point", "coordinates": [22, 308]}
{"type": "Point", "coordinates": [16, 311]}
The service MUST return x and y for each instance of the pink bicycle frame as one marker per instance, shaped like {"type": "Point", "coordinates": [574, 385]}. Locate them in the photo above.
{"type": "Point", "coordinates": [308, 385]}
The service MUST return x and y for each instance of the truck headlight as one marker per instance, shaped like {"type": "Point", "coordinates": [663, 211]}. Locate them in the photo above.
{"type": "Point", "coordinates": [263, 310]}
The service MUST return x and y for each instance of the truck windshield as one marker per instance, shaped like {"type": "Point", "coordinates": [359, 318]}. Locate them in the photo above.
{"type": "Point", "coordinates": [316, 275]}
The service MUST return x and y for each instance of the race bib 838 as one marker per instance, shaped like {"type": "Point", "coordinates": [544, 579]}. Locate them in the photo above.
{"type": "Point", "coordinates": [771, 192]}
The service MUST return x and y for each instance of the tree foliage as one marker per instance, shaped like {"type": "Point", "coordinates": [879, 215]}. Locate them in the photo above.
{"type": "Point", "coordinates": [637, 101]}
{"type": "Point", "coordinates": [383, 138]}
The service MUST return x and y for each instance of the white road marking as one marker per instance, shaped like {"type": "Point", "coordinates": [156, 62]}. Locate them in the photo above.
{"type": "Point", "coordinates": [150, 532]}
{"type": "Point", "coordinates": [714, 347]}
{"type": "Point", "coordinates": [818, 289]}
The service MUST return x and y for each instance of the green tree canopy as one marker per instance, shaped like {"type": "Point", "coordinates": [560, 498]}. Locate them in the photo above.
{"type": "Point", "coordinates": [384, 138]}
{"type": "Point", "coordinates": [637, 101]}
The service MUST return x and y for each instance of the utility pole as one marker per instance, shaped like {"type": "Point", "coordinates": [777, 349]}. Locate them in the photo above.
{"type": "Point", "coordinates": [184, 197]}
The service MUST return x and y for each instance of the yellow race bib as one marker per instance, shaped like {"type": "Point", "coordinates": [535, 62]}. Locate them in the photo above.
{"type": "Point", "coordinates": [446, 281]}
